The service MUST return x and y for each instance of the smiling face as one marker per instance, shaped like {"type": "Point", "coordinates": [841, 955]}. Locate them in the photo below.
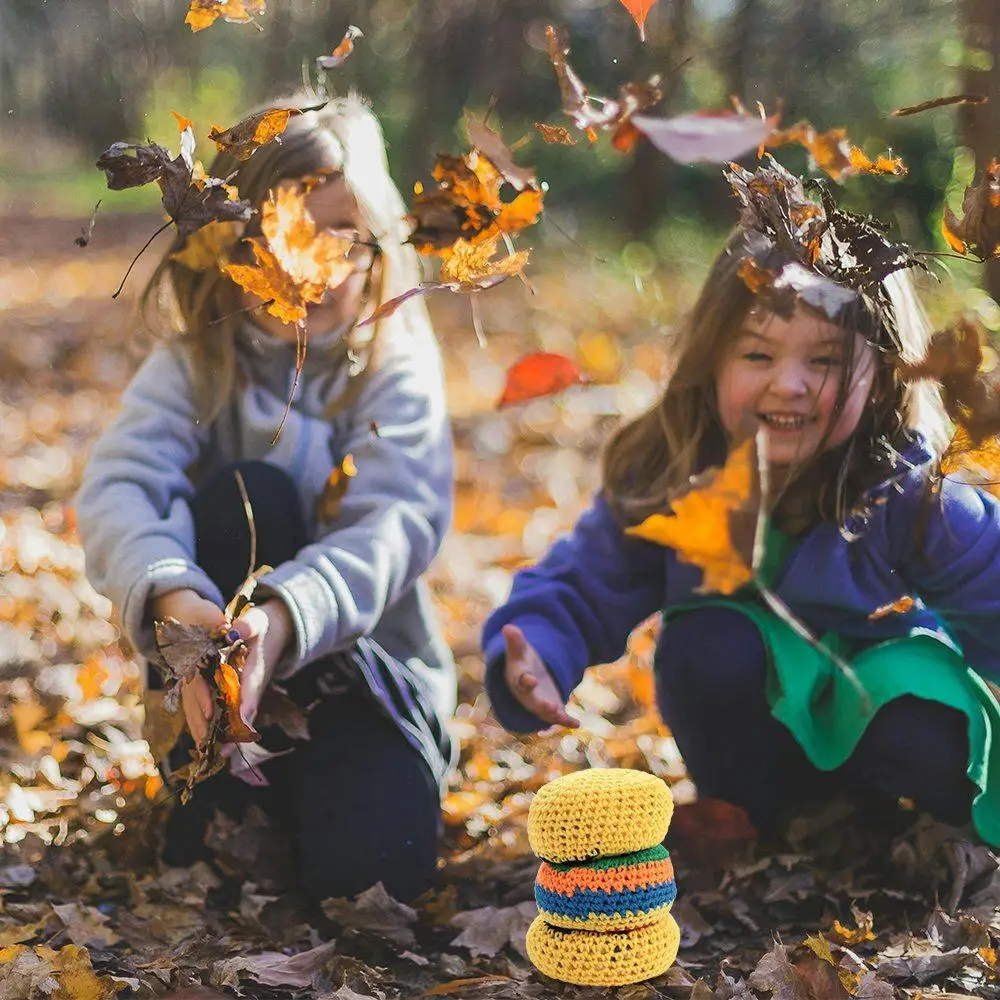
{"type": "Point", "coordinates": [333, 207]}
{"type": "Point", "coordinates": [786, 376]}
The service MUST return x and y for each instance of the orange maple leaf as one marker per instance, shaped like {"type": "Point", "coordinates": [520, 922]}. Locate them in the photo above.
{"type": "Point", "coordinates": [699, 527]}
{"type": "Point", "coordinates": [246, 136]}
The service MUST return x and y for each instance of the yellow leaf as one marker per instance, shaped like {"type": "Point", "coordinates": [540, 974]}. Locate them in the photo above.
{"type": "Point", "coordinates": [469, 264]}
{"type": "Point", "coordinates": [205, 248]}
{"type": "Point", "coordinates": [820, 947]}
{"type": "Point", "coordinates": [77, 979]}
{"type": "Point", "coordinates": [699, 527]}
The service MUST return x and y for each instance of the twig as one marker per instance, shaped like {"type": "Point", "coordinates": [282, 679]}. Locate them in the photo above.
{"type": "Point", "coordinates": [562, 232]}
{"type": "Point", "coordinates": [166, 225]}
{"type": "Point", "coordinates": [300, 360]}
{"type": "Point", "coordinates": [251, 524]}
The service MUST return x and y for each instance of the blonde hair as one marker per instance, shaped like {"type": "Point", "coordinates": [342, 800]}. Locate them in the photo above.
{"type": "Point", "coordinates": [203, 307]}
{"type": "Point", "coordinates": [650, 458]}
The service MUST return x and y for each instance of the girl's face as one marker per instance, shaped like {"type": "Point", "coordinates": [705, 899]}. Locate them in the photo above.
{"type": "Point", "coordinates": [785, 376]}
{"type": "Point", "coordinates": [332, 206]}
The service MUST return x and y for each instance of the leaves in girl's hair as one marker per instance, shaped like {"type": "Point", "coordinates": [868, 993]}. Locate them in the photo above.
{"type": "Point", "coordinates": [245, 137]}
{"type": "Point", "coordinates": [340, 54]}
{"type": "Point", "coordinates": [209, 246]}
{"type": "Point", "coordinates": [204, 13]}
{"type": "Point", "coordinates": [978, 465]}
{"type": "Point", "coordinates": [337, 483]}
{"type": "Point", "coordinates": [833, 152]}
{"type": "Point", "coordinates": [978, 231]}
{"type": "Point", "coordinates": [705, 136]}
{"type": "Point", "coordinates": [639, 9]}
{"type": "Point", "coordinates": [466, 201]}
{"type": "Point", "coordinates": [939, 102]}
{"type": "Point", "coordinates": [555, 134]}
{"type": "Point", "coordinates": [792, 284]}
{"type": "Point", "coordinates": [592, 114]}
{"type": "Point", "coordinates": [700, 524]}
{"type": "Point", "coordinates": [901, 606]}
{"type": "Point", "coordinates": [85, 234]}
{"type": "Point", "coordinates": [541, 374]}
{"type": "Point", "coordinates": [960, 359]}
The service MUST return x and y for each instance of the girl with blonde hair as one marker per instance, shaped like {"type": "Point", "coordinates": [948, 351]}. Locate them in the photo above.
{"type": "Point", "coordinates": [343, 621]}
{"type": "Point", "coordinates": [858, 519]}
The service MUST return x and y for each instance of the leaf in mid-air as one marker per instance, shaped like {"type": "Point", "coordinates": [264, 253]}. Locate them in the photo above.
{"type": "Point", "coordinates": [335, 489]}
{"type": "Point", "coordinates": [978, 231]}
{"type": "Point", "coordinates": [706, 137]}
{"type": "Point", "coordinates": [555, 134]}
{"type": "Point", "coordinates": [536, 375]}
{"type": "Point", "coordinates": [639, 9]}
{"type": "Point", "coordinates": [700, 525]}
{"type": "Point", "coordinates": [833, 152]}
{"type": "Point", "coordinates": [344, 48]}
{"type": "Point", "coordinates": [204, 13]}
{"type": "Point", "coordinates": [245, 137]}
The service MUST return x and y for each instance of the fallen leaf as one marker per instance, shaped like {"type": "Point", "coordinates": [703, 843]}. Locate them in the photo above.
{"type": "Point", "coordinates": [489, 929]}
{"type": "Point", "coordinates": [272, 968]}
{"type": "Point", "coordinates": [376, 911]}
{"type": "Point", "coordinates": [204, 13]}
{"type": "Point", "coordinates": [700, 527]}
{"type": "Point", "coordinates": [540, 374]}
{"type": "Point", "coordinates": [455, 985]}
{"type": "Point", "coordinates": [344, 48]}
{"type": "Point", "coordinates": [639, 9]}
{"type": "Point", "coordinates": [775, 974]}
{"type": "Point", "coordinates": [85, 925]}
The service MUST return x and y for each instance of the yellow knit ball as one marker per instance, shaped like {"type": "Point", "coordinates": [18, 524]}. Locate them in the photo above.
{"type": "Point", "coordinates": [598, 813]}
{"type": "Point", "coordinates": [589, 958]}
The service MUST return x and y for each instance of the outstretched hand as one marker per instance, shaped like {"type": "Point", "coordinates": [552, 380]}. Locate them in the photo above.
{"type": "Point", "coordinates": [530, 682]}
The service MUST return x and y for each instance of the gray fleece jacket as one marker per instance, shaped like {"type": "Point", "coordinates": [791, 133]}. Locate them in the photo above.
{"type": "Point", "coordinates": [361, 575]}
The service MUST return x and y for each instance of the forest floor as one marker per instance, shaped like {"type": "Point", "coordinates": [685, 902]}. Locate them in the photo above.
{"type": "Point", "coordinates": [847, 904]}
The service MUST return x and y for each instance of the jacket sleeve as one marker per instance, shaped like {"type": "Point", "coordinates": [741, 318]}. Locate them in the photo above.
{"type": "Point", "coordinates": [133, 507]}
{"type": "Point", "coordinates": [394, 514]}
{"type": "Point", "coordinates": [949, 553]}
{"type": "Point", "coordinates": [577, 607]}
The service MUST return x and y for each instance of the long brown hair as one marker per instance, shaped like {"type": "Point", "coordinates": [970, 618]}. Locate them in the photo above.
{"type": "Point", "coordinates": [203, 308]}
{"type": "Point", "coordinates": [649, 459]}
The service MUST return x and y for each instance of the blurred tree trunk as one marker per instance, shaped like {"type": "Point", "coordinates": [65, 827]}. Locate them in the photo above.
{"type": "Point", "coordinates": [981, 123]}
{"type": "Point", "coordinates": [651, 175]}
{"type": "Point", "coordinates": [739, 54]}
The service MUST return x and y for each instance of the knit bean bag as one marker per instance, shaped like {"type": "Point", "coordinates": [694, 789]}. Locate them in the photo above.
{"type": "Point", "coordinates": [606, 883]}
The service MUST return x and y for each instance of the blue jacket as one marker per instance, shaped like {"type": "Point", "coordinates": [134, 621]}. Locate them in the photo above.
{"type": "Point", "coordinates": [578, 605]}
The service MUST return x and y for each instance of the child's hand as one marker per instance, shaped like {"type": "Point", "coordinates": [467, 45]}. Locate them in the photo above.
{"type": "Point", "coordinates": [268, 630]}
{"type": "Point", "coordinates": [190, 608]}
{"type": "Point", "coordinates": [531, 683]}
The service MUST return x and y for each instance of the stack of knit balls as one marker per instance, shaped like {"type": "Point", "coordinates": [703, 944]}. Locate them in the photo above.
{"type": "Point", "coordinates": [606, 883]}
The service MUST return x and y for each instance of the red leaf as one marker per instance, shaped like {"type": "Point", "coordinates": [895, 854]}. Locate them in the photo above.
{"type": "Point", "coordinates": [639, 9]}
{"type": "Point", "coordinates": [539, 375]}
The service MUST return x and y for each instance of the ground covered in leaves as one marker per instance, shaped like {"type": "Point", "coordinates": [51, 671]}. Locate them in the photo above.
{"type": "Point", "coordinates": [854, 902]}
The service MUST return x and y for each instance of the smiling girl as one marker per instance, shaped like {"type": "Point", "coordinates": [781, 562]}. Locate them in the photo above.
{"type": "Point", "coordinates": [762, 717]}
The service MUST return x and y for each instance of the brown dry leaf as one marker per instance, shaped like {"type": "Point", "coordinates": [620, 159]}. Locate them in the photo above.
{"type": "Point", "coordinates": [555, 134]}
{"type": "Point", "coordinates": [639, 9]}
{"type": "Point", "coordinates": [775, 974]}
{"type": "Point", "coordinates": [344, 48]}
{"type": "Point", "coordinates": [245, 137]}
{"type": "Point", "coordinates": [204, 13]}
{"type": "Point", "coordinates": [272, 968]}
{"type": "Point", "coordinates": [329, 501]}
{"type": "Point", "coordinates": [85, 925]}
{"type": "Point", "coordinates": [699, 526]}
{"type": "Point", "coordinates": [208, 248]}
{"type": "Point", "coordinates": [456, 985]}
{"type": "Point", "coordinates": [488, 930]}
{"type": "Point", "coordinates": [978, 231]}
{"type": "Point", "coordinates": [939, 102]}
{"type": "Point", "coordinates": [161, 729]}
{"type": "Point", "coordinates": [490, 145]}
{"type": "Point", "coordinates": [592, 114]}
{"type": "Point", "coordinates": [376, 911]}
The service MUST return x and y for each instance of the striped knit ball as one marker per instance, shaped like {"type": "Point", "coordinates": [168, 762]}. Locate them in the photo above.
{"type": "Point", "coordinates": [599, 813]}
{"type": "Point", "coordinates": [607, 893]}
{"type": "Point", "coordinates": [617, 958]}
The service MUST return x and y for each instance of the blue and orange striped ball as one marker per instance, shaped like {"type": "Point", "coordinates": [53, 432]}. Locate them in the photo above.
{"type": "Point", "coordinates": [605, 894]}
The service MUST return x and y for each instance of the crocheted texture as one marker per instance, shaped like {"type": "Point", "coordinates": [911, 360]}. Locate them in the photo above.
{"type": "Point", "coordinates": [597, 813]}
{"type": "Point", "coordinates": [586, 958]}
{"type": "Point", "coordinates": [609, 893]}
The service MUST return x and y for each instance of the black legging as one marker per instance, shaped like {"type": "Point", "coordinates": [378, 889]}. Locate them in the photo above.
{"type": "Point", "coordinates": [711, 669]}
{"type": "Point", "coordinates": [359, 803]}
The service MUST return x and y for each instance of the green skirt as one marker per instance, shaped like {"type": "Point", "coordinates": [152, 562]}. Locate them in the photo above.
{"type": "Point", "coordinates": [828, 715]}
